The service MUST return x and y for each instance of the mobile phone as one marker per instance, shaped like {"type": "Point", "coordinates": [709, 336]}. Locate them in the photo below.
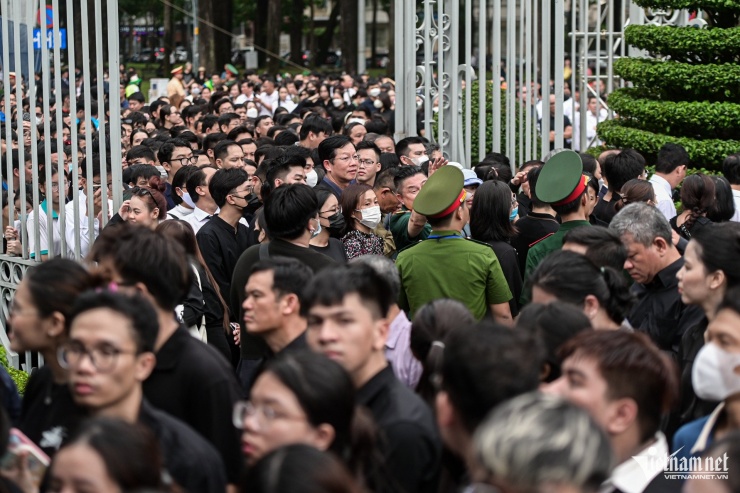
{"type": "Point", "coordinates": [19, 443]}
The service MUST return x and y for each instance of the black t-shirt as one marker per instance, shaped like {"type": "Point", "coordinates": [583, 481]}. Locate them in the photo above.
{"type": "Point", "coordinates": [191, 461]}
{"type": "Point", "coordinates": [604, 210]}
{"type": "Point", "coordinates": [334, 250]}
{"type": "Point", "coordinates": [49, 414]}
{"type": "Point", "coordinates": [195, 384]}
{"type": "Point", "coordinates": [532, 228]}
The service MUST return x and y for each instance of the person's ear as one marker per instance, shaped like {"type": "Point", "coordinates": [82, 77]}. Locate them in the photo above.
{"type": "Point", "coordinates": [155, 213]}
{"type": "Point", "coordinates": [55, 325]}
{"type": "Point", "coordinates": [145, 363]}
{"type": "Point", "coordinates": [167, 167]}
{"type": "Point", "coordinates": [621, 415]}
{"type": "Point", "coordinates": [591, 306]}
{"type": "Point", "coordinates": [323, 437]}
{"type": "Point", "coordinates": [717, 279]}
{"type": "Point", "coordinates": [289, 304]}
{"type": "Point", "coordinates": [661, 245]}
{"type": "Point", "coordinates": [381, 329]}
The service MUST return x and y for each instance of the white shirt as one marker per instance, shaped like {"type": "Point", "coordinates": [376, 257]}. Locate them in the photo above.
{"type": "Point", "coordinates": [271, 99]}
{"type": "Point", "coordinates": [591, 122]}
{"type": "Point", "coordinates": [198, 218]}
{"type": "Point", "coordinates": [664, 196]}
{"type": "Point", "coordinates": [179, 212]}
{"type": "Point", "coordinates": [736, 196]}
{"type": "Point", "coordinates": [634, 474]}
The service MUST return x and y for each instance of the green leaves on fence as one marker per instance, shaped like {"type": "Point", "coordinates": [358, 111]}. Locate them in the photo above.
{"type": "Point", "coordinates": [703, 153]}
{"type": "Point", "coordinates": [696, 119]}
{"type": "Point", "coordinates": [682, 81]}
{"type": "Point", "coordinates": [687, 44]}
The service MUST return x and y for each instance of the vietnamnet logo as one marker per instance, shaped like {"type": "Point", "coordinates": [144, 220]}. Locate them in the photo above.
{"type": "Point", "coordinates": [684, 468]}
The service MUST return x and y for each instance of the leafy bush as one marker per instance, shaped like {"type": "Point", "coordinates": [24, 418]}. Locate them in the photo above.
{"type": "Point", "coordinates": [686, 45]}
{"type": "Point", "coordinates": [682, 81]}
{"type": "Point", "coordinates": [19, 377]}
{"type": "Point", "coordinates": [723, 13]}
{"type": "Point", "coordinates": [707, 153]}
{"type": "Point", "coordinates": [685, 119]}
{"type": "Point", "coordinates": [475, 118]}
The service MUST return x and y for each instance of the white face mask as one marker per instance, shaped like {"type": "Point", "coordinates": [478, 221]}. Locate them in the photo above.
{"type": "Point", "coordinates": [312, 178]}
{"type": "Point", "coordinates": [252, 113]}
{"type": "Point", "coordinates": [316, 232]}
{"type": "Point", "coordinates": [713, 375]}
{"type": "Point", "coordinates": [195, 91]}
{"type": "Point", "coordinates": [418, 161]}
{"type": "Point", "coordinates": [374, 92]}
{"type": "Point", "coordinates": [378, 103]}
{"type": "Point", "coordinates": [162, 171]}
{"type": "Point", "coordinates": [337, 102]}
{"type": "Point", "coordinates": [370, 216]}
{"type": "Point", "coordinates": [186, 198]}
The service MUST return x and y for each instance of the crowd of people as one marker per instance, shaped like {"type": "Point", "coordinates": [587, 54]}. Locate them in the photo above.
{"type": "Point", "coordinates": [288, 300]}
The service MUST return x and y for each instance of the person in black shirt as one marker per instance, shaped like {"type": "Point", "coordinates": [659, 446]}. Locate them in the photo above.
{"type": "Point", "coordinates": [347, 309]}
{"type": "Point", "coordinates": [653, 261]}
{"type": "Point", "coordinates": [272, 306]}
{"type": "Point", "coordinates": [37, 317]}
{"type": "Point", "coordinates": [618, 170]}
{"type": "Point", "coordinates": [483, 365]}
{"type": "Point", "coordinates": [223, 239]}
{"type": "Point", "coordinates": [539, 223]}
{"type": "Point", "coordinates": [291, 217]}
{"type": "Point", "coordinates": [109, 354]}
{"type": "Point", "coordinates": [191, 381]}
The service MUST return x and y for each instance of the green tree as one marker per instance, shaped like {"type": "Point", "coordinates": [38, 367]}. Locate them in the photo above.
{"type": "Point", "coordinates": [689, 93]}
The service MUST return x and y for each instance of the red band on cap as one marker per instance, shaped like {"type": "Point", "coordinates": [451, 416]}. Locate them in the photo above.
{"type": "Point", "coordinates": [459, 200]}
{"type": "Point", "coordinates": [575, 193]}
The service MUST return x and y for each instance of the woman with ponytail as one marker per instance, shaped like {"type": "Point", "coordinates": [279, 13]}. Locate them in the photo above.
{"type": "Point", "coordinates": [429, 330]}
{"type": "Point", "coordinates": [305, 398]}
{"type": "Point", "coordinates": [697, 199]}
{"type": "Point", "coordinates": [636, 191]}
{"type": "Point", "coordinates": [602, 293]}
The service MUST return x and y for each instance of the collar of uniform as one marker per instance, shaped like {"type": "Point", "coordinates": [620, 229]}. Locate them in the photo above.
{"type": "Point", "coordinates": [377, 383]}
{"type": "Point", "coordinates": [568, 225]}
{"type": "Point", "coordinates": [634, 474]}
{"type": "Point", "coordinates": [706, 431]}
{"type": "Point", "coordinates": [171, 351]}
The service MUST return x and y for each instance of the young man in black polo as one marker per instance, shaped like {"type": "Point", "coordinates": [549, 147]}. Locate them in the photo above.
{"type": "Point", "coordinates": [347, 311]}
{"type": "Point", "coordinates": [109, 354]}
{"type": "Point", "coordinates": [191, 381]}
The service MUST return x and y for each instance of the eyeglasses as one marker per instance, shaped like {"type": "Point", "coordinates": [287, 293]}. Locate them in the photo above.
{"type": "Point", "coordinates": [354, 157]}
{"type": "Point", "coordinates": [103, 358]}
{"type": "Point", "coordinates": [248, 191]}
{"type": "Point", "coordinates": [55, 185]}
{"type": "Point", "coordinates": [264, 415]}
{"type": "Point", "coordinates": [331, 212]}
{"type": "Point", "coordinates": [98, 185]}
{"type": "Point", "coordinates": [142, 192]}
{"type": "Point", "coordinates": [185, 160]}
{"type": "Point", "coordinates": [366, 162]}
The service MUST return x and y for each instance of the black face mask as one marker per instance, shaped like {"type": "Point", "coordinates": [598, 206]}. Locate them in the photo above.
{"type": "Point", "coordinates": [253, 203]}
{"type": "Point", "coordinates": [336, 224]}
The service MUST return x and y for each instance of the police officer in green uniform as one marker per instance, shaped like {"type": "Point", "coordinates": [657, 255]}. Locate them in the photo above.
{"type": "Point", "coordinates": [445, 265]}
{"type": "Point", "coordinates": [563, 185]}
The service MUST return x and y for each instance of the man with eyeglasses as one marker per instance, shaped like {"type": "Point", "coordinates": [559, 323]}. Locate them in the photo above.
{"type": "Point", "coordinates": [173, 155]}
{"type": "Point", "coordinates": [369, 161]}
{"type": "Point", "coordinates": [340, 160]}
{"type": "Point", "coordinates": [109, 354]}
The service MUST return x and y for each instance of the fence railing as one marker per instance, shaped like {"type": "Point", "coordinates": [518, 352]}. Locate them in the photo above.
{"type": "Point", "coordinates": [61, 109]}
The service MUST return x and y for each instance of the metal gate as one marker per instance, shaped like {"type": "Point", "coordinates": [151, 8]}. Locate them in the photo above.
{"type": "Point", "coordinates": [443, 46]}
{"type": "Point", "coordinates": [39, 48]}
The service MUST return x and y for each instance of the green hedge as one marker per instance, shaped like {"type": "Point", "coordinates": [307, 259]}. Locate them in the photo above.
{"type": "Point", "coordinates": [703, 153]}
{"type": "Point", "coordinates": [723, 13]}
{"type": "Point", "coordinates": [19, 377]}
{"type": "Point", "coordinates": [686, 119]}
{"type": "Point", "coordinates": [686, 44]}
{"type": "Point", "coordinates": [682, 81]}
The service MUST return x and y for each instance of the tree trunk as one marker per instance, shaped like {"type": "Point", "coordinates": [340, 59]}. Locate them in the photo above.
{"type": "Point", "coordinates": [206, 38]}
{"type": "Point", "coordinates": [223, 15]}
{"type": "Point", "coordinates": [312, 31]}
{"type": "Point", "coordinates": [296, 31]}
{"type": "Point", "coordinates": [260, 30]}
{"type": "Point", "coordinates": [374, 35]}
{"type": "Point", "coordinates": [326, 39]}
{"type": "Point", "coordinates": [349, 30]}
{"type": "Point", "coordinates": [168, 37]}
{"type": "Point", "coordinates": [273, 35]}
{"type": "Point", "coordinates": [392, 38]}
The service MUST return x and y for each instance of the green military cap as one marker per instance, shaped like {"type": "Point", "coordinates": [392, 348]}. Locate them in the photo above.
{"type": "Point", "coordinates": [441, 194]}
{"type": "Point", "coordinates": [232, 69]}
{"type": "Point", "coordinates": [561, 179]}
